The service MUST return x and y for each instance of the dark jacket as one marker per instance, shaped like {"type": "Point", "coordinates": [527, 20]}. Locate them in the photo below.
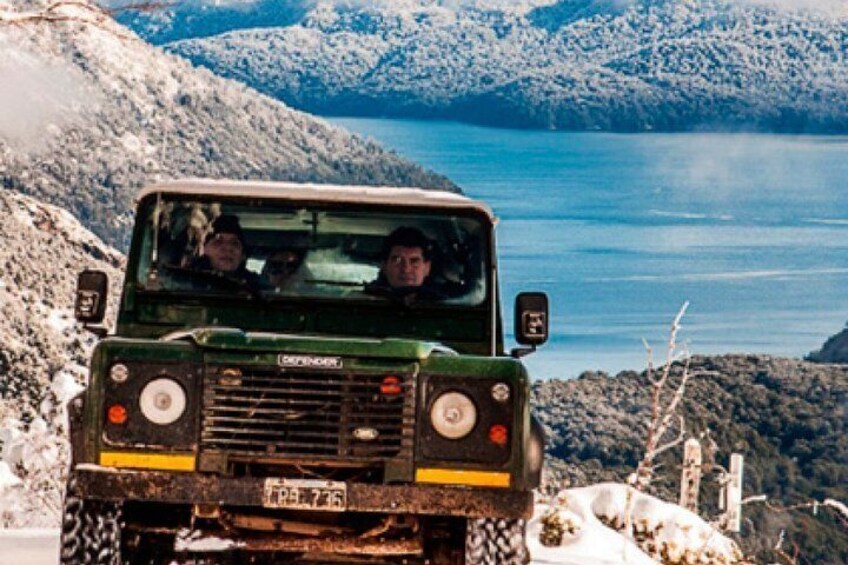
{"type": "Point", "coordinates": [425, 293]}
{"type": "Point", "coordinates": [250, 278]}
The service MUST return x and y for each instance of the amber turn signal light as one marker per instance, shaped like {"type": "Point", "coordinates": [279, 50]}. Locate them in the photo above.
{"type": "Point", "coordinates": [391, 386]}
{"type": "Point", "coordinates": [498, 434]}
{"type": "Point", "coordinates": [117, 414]}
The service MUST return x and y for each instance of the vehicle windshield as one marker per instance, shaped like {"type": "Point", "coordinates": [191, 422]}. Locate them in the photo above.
{"type": "Point", "coordinates": [275, 250]}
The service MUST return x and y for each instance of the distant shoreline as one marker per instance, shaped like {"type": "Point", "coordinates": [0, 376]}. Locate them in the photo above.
{"type": "Point", "coordinates": [331, 117]}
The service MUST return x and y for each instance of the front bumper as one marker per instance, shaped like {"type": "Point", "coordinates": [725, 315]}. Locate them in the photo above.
{"type": "Point", "coordinates": [106, 483]}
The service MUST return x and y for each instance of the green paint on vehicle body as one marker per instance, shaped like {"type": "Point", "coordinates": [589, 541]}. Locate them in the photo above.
{"type": "Point", "coordinates": [258, 350]}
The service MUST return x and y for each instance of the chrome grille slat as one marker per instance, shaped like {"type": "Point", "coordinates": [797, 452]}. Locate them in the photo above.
{"type": "Point", "coordinates": [281, 410]}
{"type": "Point", "coordinates": [275, 426]}
{"type": "Point", "coordinates": [279, 391]}
{"type": "Point", "coordinates": [271, 412]}
{"type": "Point", "coordinates": [296, 381]}
{"type": "Point", "coordinates": [234, 419]}
{"type": "Point", "coordinates": [274, 436]}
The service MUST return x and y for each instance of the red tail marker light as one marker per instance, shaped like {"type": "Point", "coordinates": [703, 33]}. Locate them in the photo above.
{"type": "Point", "coordinates": [117, 414]}
{"type": "Point", "coordinates": [499, 434]}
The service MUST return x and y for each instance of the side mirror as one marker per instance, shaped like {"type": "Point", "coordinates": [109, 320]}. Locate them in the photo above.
{"type": "Point", "coordinates": [531, 321]}
{"type": "Point", "coordinates": [92, 289]}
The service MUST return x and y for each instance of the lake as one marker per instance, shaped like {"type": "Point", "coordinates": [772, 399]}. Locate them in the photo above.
{"type": "Point", "coordinates": [620, 230]}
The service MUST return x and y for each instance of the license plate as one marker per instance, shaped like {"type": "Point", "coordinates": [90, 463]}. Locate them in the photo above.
{"type": "Point", "coordinates": [305, 494]}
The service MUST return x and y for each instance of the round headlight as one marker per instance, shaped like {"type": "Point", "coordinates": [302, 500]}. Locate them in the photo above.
{"type": "Point", "coordinates": [453, 415]}
{"type": "Point", "coordinates": [162, 401]}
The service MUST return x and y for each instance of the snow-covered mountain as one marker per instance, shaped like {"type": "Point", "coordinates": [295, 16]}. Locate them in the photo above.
{"type": "Point", "coordinates": [43, 248]}
{"type": "Point", "coordinates": [90, 113]}
{"type": "Point", "coordinates": [43, 352]}
{"type": "Point", "coordinates": [582, 64]}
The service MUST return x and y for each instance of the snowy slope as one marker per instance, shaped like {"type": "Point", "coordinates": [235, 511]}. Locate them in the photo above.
{"type": "Point", "coordinates": [43, 248]}
{"type": "Point", "coordinates": [584, 64]}
{"type": "Point", "coordinates": [43, 353]}
{"type": "Point", "coordinates": [91, 112]}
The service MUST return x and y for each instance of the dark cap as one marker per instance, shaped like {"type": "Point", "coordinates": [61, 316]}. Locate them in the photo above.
{"type": "Point", "coordinates": [226, 224]}
{"type": "Point", "coordinates": [408, 237]}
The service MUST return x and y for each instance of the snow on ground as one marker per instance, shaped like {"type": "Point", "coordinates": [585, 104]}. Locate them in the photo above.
{"type": "Point", "coordinates": [586, 524]}
{"type": "Point", "coordinates": [29, 546]}
{"type": "Point", "coordinates": [663, 528]}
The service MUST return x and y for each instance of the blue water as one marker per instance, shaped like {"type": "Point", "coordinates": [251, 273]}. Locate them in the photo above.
{"type": "Point", "coordinates": [620, 230]}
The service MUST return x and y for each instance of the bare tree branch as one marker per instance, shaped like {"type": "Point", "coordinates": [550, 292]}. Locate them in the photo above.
{"type": "Point", "coordinates": [146, 7]}
{"type": "Point", "coordinates": [840, 509]}
{"type": "Point", "coordinates": [662, 416]}
{"type": "Point", "coordinates": [62, 12]}
{"type": "Point", "coordinates": [681, 437]}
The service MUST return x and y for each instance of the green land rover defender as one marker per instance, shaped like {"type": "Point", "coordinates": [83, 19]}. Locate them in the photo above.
{"type": "Point", "coordinates": [287, 407]}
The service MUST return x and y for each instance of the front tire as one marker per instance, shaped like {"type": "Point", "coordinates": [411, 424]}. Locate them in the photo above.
{"type": "Point", "coordinates": [496, 541]}
{"type": "Point", "coordinates": [91, 531]}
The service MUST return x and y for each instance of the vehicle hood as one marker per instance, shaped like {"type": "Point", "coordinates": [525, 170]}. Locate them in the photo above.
{"type": "Point", "coordinates": [234, 339]}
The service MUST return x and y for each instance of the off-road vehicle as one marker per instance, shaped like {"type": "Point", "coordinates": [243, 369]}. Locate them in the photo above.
{"type": "Point", "coordinates": [233, 418]}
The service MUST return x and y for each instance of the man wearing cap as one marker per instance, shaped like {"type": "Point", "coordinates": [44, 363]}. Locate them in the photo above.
{"type": "Point", "coordinates": [223, 250]}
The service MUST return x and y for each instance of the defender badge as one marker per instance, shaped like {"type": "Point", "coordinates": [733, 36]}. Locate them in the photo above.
{"type": "Point", "coordinates": [309, 361]}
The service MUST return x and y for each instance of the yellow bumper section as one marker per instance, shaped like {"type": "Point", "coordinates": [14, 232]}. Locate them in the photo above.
{"type": "Point", "coordinates": [159, 461]}
{"type": "Point", "coordinates": [462, 477]}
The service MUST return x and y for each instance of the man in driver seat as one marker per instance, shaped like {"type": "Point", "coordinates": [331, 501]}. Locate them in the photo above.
{"type": "Point", "coordinates": [405, 270]}
{"type": "Point", "coordinates": [224, 251]}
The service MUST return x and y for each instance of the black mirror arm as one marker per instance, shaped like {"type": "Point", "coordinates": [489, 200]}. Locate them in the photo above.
{"type": "Point", "coordinates": [99, 331]}
{"type": "Point", "coordinates": [519, 352]}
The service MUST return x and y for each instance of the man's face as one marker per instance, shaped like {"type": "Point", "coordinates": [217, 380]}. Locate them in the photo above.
{"type": "Point", "coordinates": [225, 252]}
{"type": "Point", "coordinates": [406, 266]}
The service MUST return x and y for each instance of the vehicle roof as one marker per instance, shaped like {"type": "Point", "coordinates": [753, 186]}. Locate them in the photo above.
{"type": "Point", "coordinates": [381, 195]}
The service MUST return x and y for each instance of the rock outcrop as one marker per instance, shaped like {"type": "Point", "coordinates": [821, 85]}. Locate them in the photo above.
{"type": "Point", "coordinates": [834, 350]}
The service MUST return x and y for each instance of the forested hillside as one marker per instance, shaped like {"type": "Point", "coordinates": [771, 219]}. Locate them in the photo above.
{"type": "Point", "coordinates": [788, 418]}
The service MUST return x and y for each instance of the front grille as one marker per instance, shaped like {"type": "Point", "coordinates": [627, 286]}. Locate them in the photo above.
{"type": "Point", "coordinates": [284, 414]}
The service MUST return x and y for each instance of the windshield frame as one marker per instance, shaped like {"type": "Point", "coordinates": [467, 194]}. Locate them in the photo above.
{"type": "Point", "coordinates": [151, 200]}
